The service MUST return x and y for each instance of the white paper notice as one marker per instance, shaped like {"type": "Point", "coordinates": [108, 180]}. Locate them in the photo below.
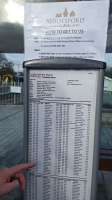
{"type": "Point", "coordinates": [61, 134]}
{"type": "Point", "coordinates": [66, 29]}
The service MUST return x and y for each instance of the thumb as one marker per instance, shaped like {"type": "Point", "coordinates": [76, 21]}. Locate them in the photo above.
{"type": "Point", "coordinates": [9, 187]}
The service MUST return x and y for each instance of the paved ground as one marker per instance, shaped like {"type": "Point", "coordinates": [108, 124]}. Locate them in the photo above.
{"type": "Point", "coordinates": [11, 149]}
{"type": "Point", "coordinates": [11, 139]}
{"type": "Point", "coordinates": [11, 134]}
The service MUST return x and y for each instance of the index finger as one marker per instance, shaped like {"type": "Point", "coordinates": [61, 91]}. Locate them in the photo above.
{"type": "Point", "coordinates": [18, 168]}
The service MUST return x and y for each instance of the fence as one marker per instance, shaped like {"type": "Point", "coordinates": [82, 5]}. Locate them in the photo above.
{"type": "Point", "coordinates": [11, 93]}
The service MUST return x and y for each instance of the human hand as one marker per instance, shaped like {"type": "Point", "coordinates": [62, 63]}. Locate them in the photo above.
{"type": "Point", "coordinates": [10, 177]}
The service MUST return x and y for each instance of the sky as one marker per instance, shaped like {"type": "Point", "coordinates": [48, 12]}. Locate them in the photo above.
{"type": "Point", "coordinates": [17, 59]}
{"type": "Point", "coordinates": [11, 26]}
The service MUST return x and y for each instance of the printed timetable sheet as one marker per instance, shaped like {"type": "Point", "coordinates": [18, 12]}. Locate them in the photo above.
{"type": "Point", "coordinates": [61, 124]}
{"type": "Point", "coordinates": [66, 29]}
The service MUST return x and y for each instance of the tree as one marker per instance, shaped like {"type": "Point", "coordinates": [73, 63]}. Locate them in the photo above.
{"type": "Point", "coordinates": [6, 71]}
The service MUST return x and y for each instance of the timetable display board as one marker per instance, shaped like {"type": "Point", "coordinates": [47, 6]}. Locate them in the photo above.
{"type": "Point", "coordinates": [62, 116]}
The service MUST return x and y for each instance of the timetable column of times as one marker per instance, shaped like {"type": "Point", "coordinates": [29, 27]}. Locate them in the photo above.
{"type": "Point", "coordinates": [81, 149]}
{"type": "Point", "coordinates": [49, 134]}
{"type": "Point", "coordinates": [38, 149]}
{"type": "Point", "coordinates": [32, 151]}
{"type": "Point", "coordinates": [61, 151]}
{"type": "Point", "coordinates": [61, 142]}
{"type": "Point", "coordinates": [81, 139]}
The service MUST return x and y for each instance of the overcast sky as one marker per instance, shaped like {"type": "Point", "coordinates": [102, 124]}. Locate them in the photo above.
{"type": "Point", "coordinates": [17, 59]}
